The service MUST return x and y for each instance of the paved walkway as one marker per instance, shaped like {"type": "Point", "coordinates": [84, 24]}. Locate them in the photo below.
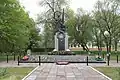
{"type": "Point", "coordinates": [65, 72]}
{"type": "Point", "coordinates": [49, 71]}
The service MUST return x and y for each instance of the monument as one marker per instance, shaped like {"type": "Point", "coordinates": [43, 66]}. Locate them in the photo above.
{"type": "Point", "coordinates": [61, 36]}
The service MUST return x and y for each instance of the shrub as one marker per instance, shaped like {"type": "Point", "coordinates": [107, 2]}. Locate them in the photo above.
{"type": "Point", "coordinates": [96, 52]}
{"type": "Point", "coordinates": [42, 49]}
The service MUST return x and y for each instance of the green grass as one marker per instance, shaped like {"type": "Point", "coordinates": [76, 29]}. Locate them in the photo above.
{"type": "Point", "coordinates": [15, 73]}
{"type": "Point", "coordinates": [10, 57]}
{"type": "Point", "coordinates": [4, 58]}
{"type": "Point", "coordinates": [112, 72]}
{"type": "Point", "coordinates": [114, 57]}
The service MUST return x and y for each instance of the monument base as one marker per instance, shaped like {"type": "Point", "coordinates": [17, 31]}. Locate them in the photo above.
{"type": "Point", "coordinates": [57, 50]}
{"type": "Point", "coordinates": [61, 42]}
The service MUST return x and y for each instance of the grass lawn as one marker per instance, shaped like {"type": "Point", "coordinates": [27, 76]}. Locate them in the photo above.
{"type": "Point", "coordinates": [4, 58]}
{"type": "Point", "coordinates": [10, 57]}
{"type": "Point", "coordinates": [111, 72]}
{"type": "Point", "coordinates": [15, 73]}
{"type": "Point", "coordinates": [114, 57]}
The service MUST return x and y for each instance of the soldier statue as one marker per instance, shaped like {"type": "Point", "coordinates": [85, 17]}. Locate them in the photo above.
{"type": "Point", "coordinates": [59, 23]}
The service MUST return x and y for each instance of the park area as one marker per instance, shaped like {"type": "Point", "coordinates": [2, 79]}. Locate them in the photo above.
{"type": "Point", "coordinates": [59, 40]}
{"type": "Point", "coordinates": [48, 69]}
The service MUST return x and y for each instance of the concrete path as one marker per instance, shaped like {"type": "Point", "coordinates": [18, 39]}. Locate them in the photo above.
{"type": "Point", "coordinates": [65, 72]}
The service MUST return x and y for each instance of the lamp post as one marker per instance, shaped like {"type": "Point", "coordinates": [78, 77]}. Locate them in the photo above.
{"type": "Point", "coordinates": [106, 33]}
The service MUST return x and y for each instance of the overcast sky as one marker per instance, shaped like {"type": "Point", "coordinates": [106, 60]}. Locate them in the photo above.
{"type": "Point", "coordinates": [33, 8]}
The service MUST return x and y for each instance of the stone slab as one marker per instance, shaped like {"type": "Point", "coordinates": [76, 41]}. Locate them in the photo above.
{"type": "Point", "coordinates": [65, 72]}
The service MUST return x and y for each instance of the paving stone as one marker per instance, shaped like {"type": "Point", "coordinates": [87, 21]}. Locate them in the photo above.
{"type": "Point", "coordinates": [40, 78]}
{"type": "Point", "coordinates": [65, 72]}
{"type": "Point", "coordinates": [31, 78]}
{"type": "Point", "coordinates": [71, 78]}
{"type": "Point", "coordinates": [51, 78]}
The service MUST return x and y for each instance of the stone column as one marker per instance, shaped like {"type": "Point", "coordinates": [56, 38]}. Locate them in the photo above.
{"type": "Point", "coordinates": [56, 42]}
{"type": "Point", "coordinates": [66, 42]}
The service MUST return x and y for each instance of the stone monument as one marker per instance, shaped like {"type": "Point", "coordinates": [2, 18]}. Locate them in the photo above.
{"type": "Point", "coordinates": [61, 36]}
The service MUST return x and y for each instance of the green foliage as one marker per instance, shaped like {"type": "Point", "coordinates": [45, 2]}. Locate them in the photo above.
{"type": "Point", "coordinates": [82, 27]}
{"type": "Point", "coordinates": [16, 28]}
{"type": "Point", "coordinates": [3, 72]}
{"type": "Point", "coordinates": [96, 52]}
{"type": "Point", "coordinates": [79, 28]}
{"type": "Point", "coordinates": [48, 36]}
{"type": "Point", "coordinates": [42, 49]}
{"type": "Point", "coordinates": [107, 18]}
{"type": "Point", "coordinates": [47, 19]}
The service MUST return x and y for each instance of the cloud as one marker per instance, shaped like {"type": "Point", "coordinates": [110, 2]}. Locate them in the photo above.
{"type": "Point", "coordinates": [33, 7]}
{"type": "Point", "coordinates": [85, 4]}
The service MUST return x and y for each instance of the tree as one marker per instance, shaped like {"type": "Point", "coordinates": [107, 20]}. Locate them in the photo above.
{"type": "Point", "coordinates": [15, 26]}
{"type": "Point", "coordinates": [48, 19]}
{"type": "Point", "coordinates": [107, 19]}
{"type": "Point", "coordinates": [80, 27]}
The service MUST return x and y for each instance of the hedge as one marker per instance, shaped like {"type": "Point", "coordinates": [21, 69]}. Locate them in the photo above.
{"type": "Point", "coordinates": [42, 49]}
{"type": "Point", "coordinates": [96, 52]}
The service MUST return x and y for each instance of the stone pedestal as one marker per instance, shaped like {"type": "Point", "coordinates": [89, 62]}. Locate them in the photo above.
{"type": "Point", "coordinates": [61, 42]}
{"type": "Point", "coordinates": [56, 42]}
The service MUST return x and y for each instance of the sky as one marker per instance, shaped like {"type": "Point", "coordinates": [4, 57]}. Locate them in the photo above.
{"type": "Point", "coordinates": [33, 7]}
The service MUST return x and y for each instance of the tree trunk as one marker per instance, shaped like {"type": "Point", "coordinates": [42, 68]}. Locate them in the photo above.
{"type": "Point", "coordinates": [98, 44]}
{"type": "Point", "coordinates": [107, 47]}
{"type": "Point", "coordinates": [115, 44]}
{"type": "Point", "coordinates": [85, 47]}
{"type": "Point", "coordinates": [110, 41]}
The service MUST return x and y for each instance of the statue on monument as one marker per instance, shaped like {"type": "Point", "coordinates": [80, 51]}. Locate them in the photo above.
{"type": "Point", "coordinates": [61, 37]}
{"type": "Point", "coordinates": [59, 23]}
